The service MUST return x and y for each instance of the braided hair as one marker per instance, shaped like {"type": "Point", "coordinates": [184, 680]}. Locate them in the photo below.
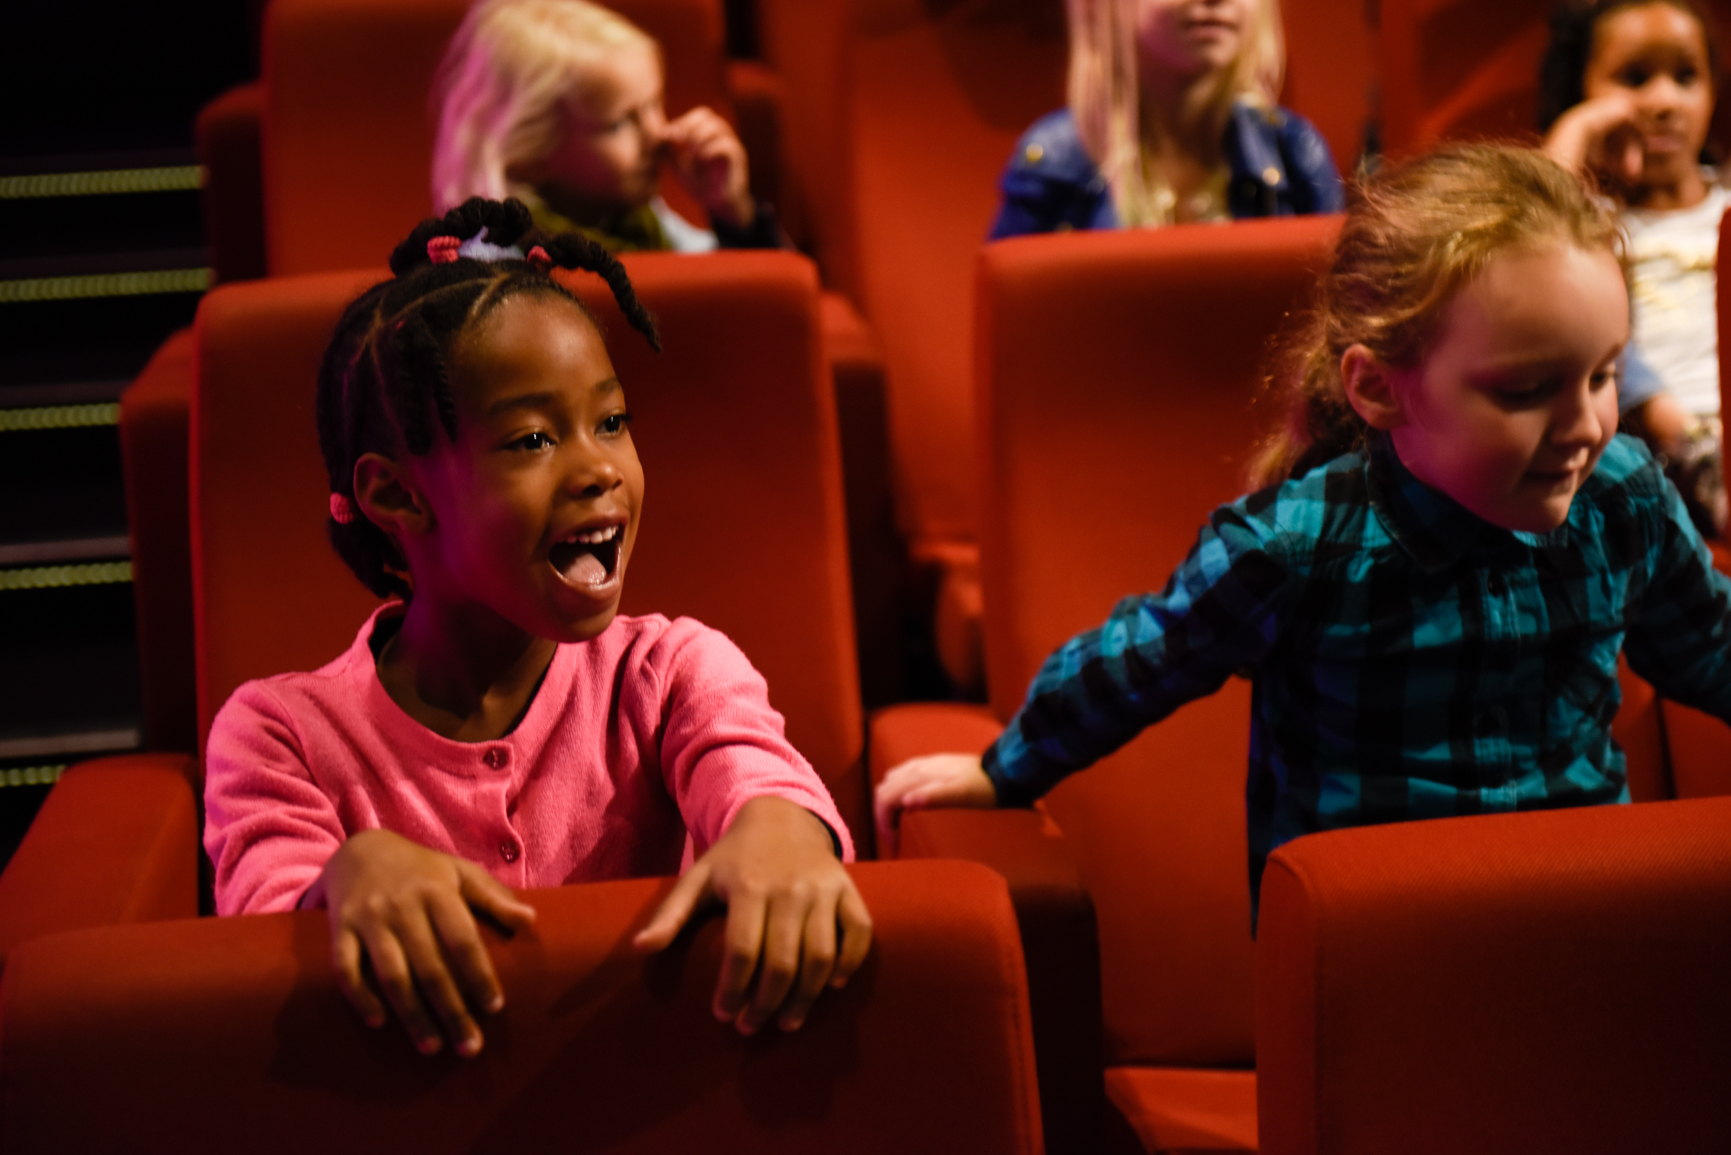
{"type": "Point", "coordinates": [385, 377]}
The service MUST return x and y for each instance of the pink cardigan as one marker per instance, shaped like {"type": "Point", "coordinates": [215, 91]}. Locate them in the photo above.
{"type": "Point", "coordinates": [635, 737]}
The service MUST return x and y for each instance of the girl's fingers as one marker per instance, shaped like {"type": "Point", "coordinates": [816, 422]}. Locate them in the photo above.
{"type": "Point", "coordinates": [346, 962]}
{"type": "Point", "coordinates": [745, 915]}
{"type": "Point", "coordinates": [397, 984]}
{"type": "Point", "coordinates": [856, 935]}
{"type": "Point", "coordinates": [782, 927]}
{"type": "Point", "coordinates": [427, 960]}
{"type": "Point", "coordinates": [461, 939]}
{"type": "Point", "coordinates": [816, 964]}
{"type": "Point", "coordinates": [675, 910]}
{"type": "Point", "coordinates": [484, 892]}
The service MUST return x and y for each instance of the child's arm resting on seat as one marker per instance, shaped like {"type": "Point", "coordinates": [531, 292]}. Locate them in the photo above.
{"type": "Point", "coordinates": [931, 780]}
{"type": "Point", "coordinates": [408, 909]}
{"type": "Point", "coordinates": [769, 841]}
{"type": "Point", "coordinates": [789, 900]}
{"type": "Point", "coordinates": [276, 841]}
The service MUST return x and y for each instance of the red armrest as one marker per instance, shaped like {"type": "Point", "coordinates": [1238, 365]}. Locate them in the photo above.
{"type": "Point", "coordinates": [228, 143]}
{"type": "Point", "coordinates": [218, 1034]}
{"type": "Point", "coordinates": [115, 842]}
{"type": "Point", "coordinates": [153, 445]}
{"type": "Point", "coordinates": [1059, 938]}
{"type": "Point", "coordinates": [1532, 982]}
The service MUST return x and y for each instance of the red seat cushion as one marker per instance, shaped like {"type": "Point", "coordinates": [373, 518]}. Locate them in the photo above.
{"type": "Point", "coordinates": [1174, 1111]}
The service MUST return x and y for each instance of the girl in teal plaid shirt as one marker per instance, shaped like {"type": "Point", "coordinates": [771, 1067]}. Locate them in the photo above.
{"type": "Point", "coordinates": [1452, 548]}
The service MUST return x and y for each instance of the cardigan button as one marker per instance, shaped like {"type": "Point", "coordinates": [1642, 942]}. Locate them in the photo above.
{"type": "Point", "coordinates": [1033, 153]}
{"type": "Point", "coordinates": [497, 757]}
{"type": "Point", "coordinates": [1270, 176]}
{"type": "Point", "coordinates": [508, 851]}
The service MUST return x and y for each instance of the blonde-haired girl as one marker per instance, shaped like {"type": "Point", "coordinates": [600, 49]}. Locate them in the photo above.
{"type": "Point", "coordinates": [559, 104]}
{"type": "Point", "coordinates": [1453, 549]}
{"type": "Point", "coordinates": [1172, 117]}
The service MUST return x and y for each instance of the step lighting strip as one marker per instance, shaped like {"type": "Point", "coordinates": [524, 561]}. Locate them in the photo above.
{"type": "Point", "coordinates": [48, 577]}
{"type": "Point", "coordinates": [59, 417]}
{"type": "Point", "coordinates": [104, 285]}
{"type": "Point", "coordinates": [175, 178]}
{"type": "Point", "coordinates": [32, 775]}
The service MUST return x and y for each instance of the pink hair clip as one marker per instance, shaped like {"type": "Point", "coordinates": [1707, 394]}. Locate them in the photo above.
{"type": "Point", "coordinates": [342, 509]}
{"type": "Point", "coordinates": [442, 251]}
{"type": "Point", "coordinates": [538, 257]}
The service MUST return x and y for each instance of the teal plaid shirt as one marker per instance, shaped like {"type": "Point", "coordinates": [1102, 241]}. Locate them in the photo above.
{"type": "Point", "coordinates": [1409, 659]}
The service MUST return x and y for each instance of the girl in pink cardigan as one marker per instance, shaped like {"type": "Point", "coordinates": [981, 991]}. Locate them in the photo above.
{"type": "Point", "coordinates": [500, 725]}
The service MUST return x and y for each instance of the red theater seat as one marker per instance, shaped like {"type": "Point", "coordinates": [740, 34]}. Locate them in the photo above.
{"type": "Point", "coordinates": [1112, 368]}
{"type": "Point", "coordinates": [739, 405]}
{"type": "Point", "coordinates": [223, 1035]}
{"type": "Point", "coordinates": [1502, 985]}
{"type": "Point", "coordinates": [903, 115]}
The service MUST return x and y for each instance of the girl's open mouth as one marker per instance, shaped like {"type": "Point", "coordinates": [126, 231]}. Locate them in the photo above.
{"type": "Point", "coordinates": [589, 557]}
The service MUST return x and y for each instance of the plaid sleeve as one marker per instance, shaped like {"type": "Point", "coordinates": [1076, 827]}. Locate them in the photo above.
{"type": "Point", "coordinates": [1217, 615]}
{"type": "Point", "coordinates": [1679, 637]}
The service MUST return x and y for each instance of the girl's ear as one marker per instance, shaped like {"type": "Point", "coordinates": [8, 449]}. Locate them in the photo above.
{"type": "Point", "coordinates": [1370, 389]}
{"type": "Point", "coordinates": [388, 497]}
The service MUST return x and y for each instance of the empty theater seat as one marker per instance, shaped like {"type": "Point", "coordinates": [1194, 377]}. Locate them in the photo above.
{"type": "Point", "coordinates": [229, 1034]}
{"type": "Point", "coordinates": [1508, 984]}
{"type": "Point", "coordinates": [1115, 382]}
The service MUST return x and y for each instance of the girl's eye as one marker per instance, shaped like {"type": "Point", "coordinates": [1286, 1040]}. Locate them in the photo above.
{"type": "Point", "coordinates": [615, 423]}
{"type": "Point", "coordinates": [1685, 77]}
{"type": "Point", "coordinates": [1635, 77]}
{"type": "Point", "coordinates": [532, 442]}
{"type": "Point", "coordinates": [1603, 378]}
{"type": "Point", "coordinates": [1514, 396]}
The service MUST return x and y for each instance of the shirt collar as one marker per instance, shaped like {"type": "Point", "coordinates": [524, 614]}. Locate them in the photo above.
{"type": "Point", "coordinates": [1430, 525]}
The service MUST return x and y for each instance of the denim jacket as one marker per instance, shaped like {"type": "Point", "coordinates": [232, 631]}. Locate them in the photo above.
{"type": "Point", "coordinates": [1278, 165]}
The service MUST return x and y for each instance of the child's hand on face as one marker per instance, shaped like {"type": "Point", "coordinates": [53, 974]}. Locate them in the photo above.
{"type": "Point", "coordinates": [786, 893]}
{"type": "Point", "coordinates": [934, 780]}
{"type": "Point", "coordinates": [1599, 136]}
{"type": "Point", "coordinates": [408, 908]}
{"type": "Point", "coordinates": [711, 161]}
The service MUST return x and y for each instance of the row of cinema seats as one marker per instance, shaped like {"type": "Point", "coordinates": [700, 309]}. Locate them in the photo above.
{"type": "Point", "coordinates": [877, 126]}
{"type": "Point", "coordinates": [1146, 1020]}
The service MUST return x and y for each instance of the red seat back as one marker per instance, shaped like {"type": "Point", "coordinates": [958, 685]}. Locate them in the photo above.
{"type": "Point", "coordinates": [348, 126]}
{"type": "Point", "coordinates": [221, 1035]}
{"type": "Point", "coordinates": [736, 430]}
{"type": "Point", "coordinates": [1116, 374]}
{"type": "Point", "coordinates": [931, 101]}
{"type": "Point", "coordinates": [1550, 981]}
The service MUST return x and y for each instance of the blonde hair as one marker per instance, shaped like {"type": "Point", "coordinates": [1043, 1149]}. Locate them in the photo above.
{"type": "Point", "coordinates": [1105, 95]}
{"type": "Point", "coordinates": [510, 68]}
{"type": "Point", "coordinates": [1413, 236]}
